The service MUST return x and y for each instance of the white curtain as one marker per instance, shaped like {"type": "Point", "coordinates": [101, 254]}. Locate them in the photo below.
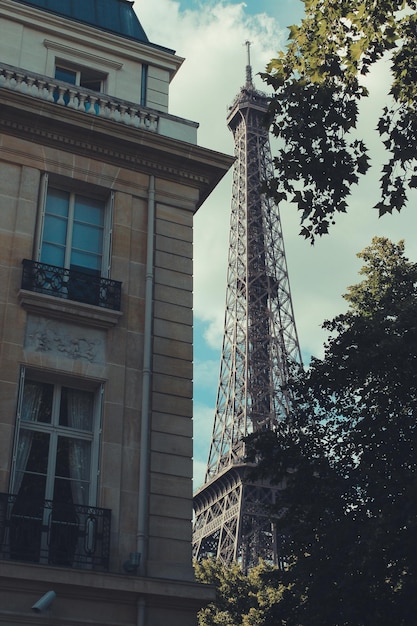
{"type": "Point", "coordinates": [31, 403]}
{"type": "Point", "coordinates": [80, 414]}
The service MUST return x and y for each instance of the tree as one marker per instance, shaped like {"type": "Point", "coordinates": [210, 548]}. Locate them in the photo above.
{"type": "Point", "coordinates": [319, 84]}
{"type": "Point", "coordinates": [241, 599]}
{"type": "Point", "coordinates": [348, 455]}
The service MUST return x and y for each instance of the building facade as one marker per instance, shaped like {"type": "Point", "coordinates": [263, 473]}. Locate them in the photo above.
{"type": "Point", "coordinates": [98, 188]}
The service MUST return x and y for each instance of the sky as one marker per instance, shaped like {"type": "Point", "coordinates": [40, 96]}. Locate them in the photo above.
{"type": "Point", "coordinates": [211, 36]}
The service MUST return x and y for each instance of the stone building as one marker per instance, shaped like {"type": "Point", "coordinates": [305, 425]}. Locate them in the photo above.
{"type": "Point", "coordinates": [98, 188]}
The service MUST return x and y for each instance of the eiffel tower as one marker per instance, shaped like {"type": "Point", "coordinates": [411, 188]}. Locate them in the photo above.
{"type": "Point", "coordinates": [232, 521]}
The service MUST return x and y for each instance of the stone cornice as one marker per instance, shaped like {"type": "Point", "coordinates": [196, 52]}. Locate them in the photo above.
{"type": "Point", "coordinates": [59, 47]}
{"type": "Point", "coordinates": [100, 585]}
{"type": "Point", "coordinates": [46, 123]}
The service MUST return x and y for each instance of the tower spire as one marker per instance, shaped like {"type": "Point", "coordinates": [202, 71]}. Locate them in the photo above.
{"type": "Point", "coordinates": [249, 81]}
{"type": "Point", "coordinates": [232, 519]}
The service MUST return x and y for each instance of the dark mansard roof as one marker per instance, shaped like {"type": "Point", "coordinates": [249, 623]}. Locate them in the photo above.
{"type": "Point", "coordinates": [115, 16]}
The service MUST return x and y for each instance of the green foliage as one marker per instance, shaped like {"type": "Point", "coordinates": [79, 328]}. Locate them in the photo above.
{"type": "Point", "coordinates": [314, 111]}
{"type": "Point", "coordinates": [387, 288]}
{"type": "Point", "coordinates": [348, 456]}
{"type": "Point", "coordinates": [241, 600]}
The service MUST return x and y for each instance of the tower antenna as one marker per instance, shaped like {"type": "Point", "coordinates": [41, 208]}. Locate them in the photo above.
{"type": "Point", "coordinates": [249, 81]}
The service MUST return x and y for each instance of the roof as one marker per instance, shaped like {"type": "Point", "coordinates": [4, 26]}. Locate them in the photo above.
{"type": "Point", "coordinates": [115, 16]}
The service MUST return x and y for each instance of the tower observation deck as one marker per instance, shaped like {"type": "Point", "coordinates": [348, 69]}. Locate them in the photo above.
{"type": "Point", "coordinates": [232, 521]}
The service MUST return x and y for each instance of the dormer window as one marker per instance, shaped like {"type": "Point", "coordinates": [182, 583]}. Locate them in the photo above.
{"type": "Point", "coordinates": [81, 76]}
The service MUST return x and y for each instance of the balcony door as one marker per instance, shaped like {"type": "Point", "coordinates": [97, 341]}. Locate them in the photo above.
{"type": "Point", "coordinates": [55, 470]}
{"type": "Point", "coordinates": [73, 239]}
{"type": "Point", "coordinates": [73, 231]}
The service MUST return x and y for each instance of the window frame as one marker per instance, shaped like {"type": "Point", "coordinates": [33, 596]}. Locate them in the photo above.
{"type": "Point", "coordinates": [87, 192]}
{"type": "Point", "coordinates": [79, 70]}
{"type": "Point", "coordinates": [55, 430]}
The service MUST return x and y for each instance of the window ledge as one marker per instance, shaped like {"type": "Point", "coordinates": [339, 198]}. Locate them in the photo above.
{"type": "Point", "coordinates": [68, 310]}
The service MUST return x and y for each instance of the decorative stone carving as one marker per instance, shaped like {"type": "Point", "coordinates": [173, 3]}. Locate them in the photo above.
{"type": "Point", "coordinates": [65, 340]}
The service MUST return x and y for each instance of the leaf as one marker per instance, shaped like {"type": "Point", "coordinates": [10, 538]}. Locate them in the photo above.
{"type": "Point", "coordinates": [356, 50]}
{"type": "Point", "coordinates": [318, 102]}
{"type": "Point", "coordinates": [382, 208]}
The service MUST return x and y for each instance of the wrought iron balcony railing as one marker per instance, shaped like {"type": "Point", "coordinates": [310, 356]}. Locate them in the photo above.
{"type": "Point", "coordinates": [54, 533]}
{"type": "Point", "coordinates": [71, 284]}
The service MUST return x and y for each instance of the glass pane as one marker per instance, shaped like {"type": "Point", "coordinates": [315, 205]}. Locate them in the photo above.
{"type": "Point", "coordinates": [23, 450]}
{"type": "Point", "coordinates": [72, 470]}
{"type": "Point", "coordinates": [66, 75]}
{"type": "Point", "coordinates": [76, 410]}
{"type": "Point", "coordinates": [33, 451]}
{"type": "Point", "coordinates": [55, 229]}
{"type": "Point", "coordinates": [64, 525]}
{"type": "Point", "coordinates": [73, 459]}
{"type": "Point", "coordinates": [57, 202]}
{"type": "Point", "coordinates": [89, 210]}
{"type": "Point", "coordinates": [53, 255]}
{"type": "Point", "coordinates": [62, 491]}
{"type": "Point", "coordinates": [82, 261]}
{"type": "Point", "coordinates": [91, 83]}
{"type": "Point", "coordinates": [37, 402]}
{"type": "Point", "coordinates": [62, 458]}
{"type": "Point", "coordinates": [87, 237]}
{"type": "Point", "coordinates": [31, 492]}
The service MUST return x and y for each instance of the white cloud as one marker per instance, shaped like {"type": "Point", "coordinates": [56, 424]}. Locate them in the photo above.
{"type": "Point", "coordinates": [199, 473]}
{"type": "Point", "coordinates": [204, 371]}
{"type": "Point", "coordinates": [203, 428]}
{"type": "Point", "coordinates": [212, 41]}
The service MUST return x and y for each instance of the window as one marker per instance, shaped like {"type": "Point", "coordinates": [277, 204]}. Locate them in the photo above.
{"type": "Point", "coordinates": [144, 86]}
{"type": "Point", "coordinates": [73, 245]}
{"type": "Point", "coordinates": [73, 238]}
{"type": "Point", "coordinates": [55, 469]}
{"type": "Point", "coordinates": [82, 76]}
{"type": "Point", "coordinates": [73, 231]}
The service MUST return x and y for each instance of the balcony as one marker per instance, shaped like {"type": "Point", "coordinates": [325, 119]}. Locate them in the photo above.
{"type": "Point", "coordinates": [54, 533]}
{"type": "Point", "coordinates": [78, 98]}
{"type": "Point", "coordinates": [71, 284]}
{"type": "Point", "coordinates": [88, 102]}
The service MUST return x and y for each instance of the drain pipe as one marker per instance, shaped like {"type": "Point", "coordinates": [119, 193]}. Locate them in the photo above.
{"type": "Point", "coordinates": [142, 529]}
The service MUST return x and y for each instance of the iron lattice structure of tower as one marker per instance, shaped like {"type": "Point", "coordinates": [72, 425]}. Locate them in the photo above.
{"type": "Point", "coordinates": [232, 521]}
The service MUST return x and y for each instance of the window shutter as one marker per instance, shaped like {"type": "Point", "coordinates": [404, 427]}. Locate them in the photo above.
{"type": "Point", "coordinates": [109, 234]}
{"type": "Point", "coordinates": [96, 446]}
{"type": "Point", "coordinates": [41, 218]}
{"type": "Point", "coordinates": [144, 86]}
{"type": "Point", "coordinates": [17, 426]}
